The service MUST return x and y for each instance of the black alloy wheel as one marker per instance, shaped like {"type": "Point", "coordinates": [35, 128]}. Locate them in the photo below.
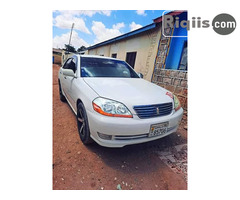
{"type": "Point", "coordinates": [82, 123]}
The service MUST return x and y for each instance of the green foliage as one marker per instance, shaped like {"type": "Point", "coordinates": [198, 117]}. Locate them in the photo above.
{"type": "Point", "coordinates": [70, 48]}
{"type": "Point", "coordinates": [82, 48]}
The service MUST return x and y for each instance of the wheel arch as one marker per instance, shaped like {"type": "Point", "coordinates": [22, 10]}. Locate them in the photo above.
{"type": "Point", "coordinates": [78, 101]}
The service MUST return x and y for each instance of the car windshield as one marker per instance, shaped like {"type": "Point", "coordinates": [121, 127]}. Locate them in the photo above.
{"type": "Point", "coordinates": [103, 67]}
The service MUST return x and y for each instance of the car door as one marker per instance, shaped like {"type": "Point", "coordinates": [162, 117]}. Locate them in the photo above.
{"type": "Point", "coordinates": [71, 81]}
{"type": "Point", "coordinates": [64, 78]}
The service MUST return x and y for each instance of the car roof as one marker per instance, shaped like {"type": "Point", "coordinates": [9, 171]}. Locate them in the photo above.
{"type": "Point", "coordinates": [96, 56]}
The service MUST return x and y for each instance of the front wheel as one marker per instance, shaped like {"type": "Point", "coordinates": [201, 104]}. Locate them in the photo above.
{"type": "Point", "coordinates": [82, 123]}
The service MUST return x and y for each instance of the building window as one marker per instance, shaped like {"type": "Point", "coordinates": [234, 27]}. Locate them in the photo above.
{"type": "Point", "coordinates": [114, 55]}
{"type": "Point", "coordinates": [130, 58]}
{"type": "Point", "coordinates": [183, 62]}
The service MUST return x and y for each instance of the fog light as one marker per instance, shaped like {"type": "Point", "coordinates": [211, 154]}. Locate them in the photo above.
{"type": "Point", "coordinates": [104, 136]}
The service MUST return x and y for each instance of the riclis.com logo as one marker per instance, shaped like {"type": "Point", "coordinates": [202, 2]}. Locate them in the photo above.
{"type": "Point", "coordinates": [222, 24]}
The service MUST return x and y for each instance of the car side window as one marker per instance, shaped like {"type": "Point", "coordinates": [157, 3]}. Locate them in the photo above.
{"type": "Point", "coordinates": [67, 63]}
{"type": "Point", "coordinates": [72, 65]}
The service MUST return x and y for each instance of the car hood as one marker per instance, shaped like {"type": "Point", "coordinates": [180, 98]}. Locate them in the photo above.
{"type": "Point", "coordinates": [129, 91]}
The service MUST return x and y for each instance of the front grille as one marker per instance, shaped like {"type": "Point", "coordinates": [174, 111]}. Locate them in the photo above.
{"type": "Point", "coordinates": [157, 110]}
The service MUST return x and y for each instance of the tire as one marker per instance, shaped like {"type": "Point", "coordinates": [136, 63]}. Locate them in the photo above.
{"type": "Point", "coordinates": [62, 97]}
{"type": "Point", "coordinates": [82, 123]}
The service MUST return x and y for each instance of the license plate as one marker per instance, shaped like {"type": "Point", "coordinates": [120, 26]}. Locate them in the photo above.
{"type": "Point", "coordinates": [158, 129]}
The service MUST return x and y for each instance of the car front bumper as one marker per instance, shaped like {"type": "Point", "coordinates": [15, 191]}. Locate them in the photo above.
{"type": "Point", "coordinates": [127, 131]}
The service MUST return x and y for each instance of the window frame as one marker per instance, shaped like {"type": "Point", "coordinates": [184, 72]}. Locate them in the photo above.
{"type": "Point", "coordinates": [114, 54]}
{"type": "Point", "coordinates": [128, 54]}
{"type": "Point", "coordinates": [185, 45]}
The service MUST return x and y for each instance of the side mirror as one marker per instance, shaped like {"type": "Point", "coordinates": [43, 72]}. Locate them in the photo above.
{"type": "Point", "coordinates": [140, 75]}
{"type": "Point", "coordinates": [68, 72]}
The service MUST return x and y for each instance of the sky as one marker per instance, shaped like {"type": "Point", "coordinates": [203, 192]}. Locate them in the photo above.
{"type": "Point", "coordinates": [92, 27]}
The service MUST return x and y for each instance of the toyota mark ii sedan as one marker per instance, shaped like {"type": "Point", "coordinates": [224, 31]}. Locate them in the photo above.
{"type": "Point", "coordinates": [114, 106]}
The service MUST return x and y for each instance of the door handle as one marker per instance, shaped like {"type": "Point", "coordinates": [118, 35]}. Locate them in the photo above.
{"type": "Point", "coordinates": [65, 77]}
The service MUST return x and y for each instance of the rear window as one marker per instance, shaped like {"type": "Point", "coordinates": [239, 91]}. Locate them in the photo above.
{"type": "Point", "coordinates": [103, 67]}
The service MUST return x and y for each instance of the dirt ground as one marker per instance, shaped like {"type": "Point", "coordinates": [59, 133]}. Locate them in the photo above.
{"type": "Point", "coordinates": [157, 165]}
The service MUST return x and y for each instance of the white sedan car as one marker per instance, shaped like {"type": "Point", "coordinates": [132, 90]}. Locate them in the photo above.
{"type": "Point", "coordinates": [113, 105]}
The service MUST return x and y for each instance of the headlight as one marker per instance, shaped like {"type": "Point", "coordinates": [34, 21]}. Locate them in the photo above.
{"type": "Point", "coordinates": [111, 108]}
{"type": "Point", "coordinates": [177, 104]}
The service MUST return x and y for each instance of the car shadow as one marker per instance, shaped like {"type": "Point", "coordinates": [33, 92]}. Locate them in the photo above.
{"type": "Point", "coordinates": [138, 158]}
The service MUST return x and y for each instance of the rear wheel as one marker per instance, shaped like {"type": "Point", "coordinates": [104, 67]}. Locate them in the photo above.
{"type": "Point", "coordinates": [82, 123]}
{"type": "Point", "coordinates": [62, 97]}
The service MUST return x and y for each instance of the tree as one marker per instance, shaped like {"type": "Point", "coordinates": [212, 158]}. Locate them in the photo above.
{"type": "Point", "coordinates": [82, 48]}
{"type": "Point", "coordinates": [69, 48]}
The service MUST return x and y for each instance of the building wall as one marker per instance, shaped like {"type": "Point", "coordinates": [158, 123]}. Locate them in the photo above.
{"type": "Point", "coordinates": [175, 81]}
{"type": "Point", "coordinates": [57, 59]}
{"type": "Point", "coordinates": [144, 44]}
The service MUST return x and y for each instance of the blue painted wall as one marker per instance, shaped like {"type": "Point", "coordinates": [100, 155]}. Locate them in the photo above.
{"type": "Point", "coordinates": [176, 45]}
